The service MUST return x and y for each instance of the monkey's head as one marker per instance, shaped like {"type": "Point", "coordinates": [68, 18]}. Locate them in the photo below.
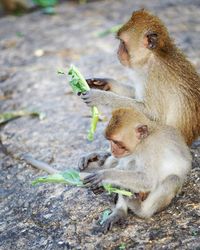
{"type": "Point", "coordinates": [140, 37]}
{"type": "Point", "coordinates": [125, 130]}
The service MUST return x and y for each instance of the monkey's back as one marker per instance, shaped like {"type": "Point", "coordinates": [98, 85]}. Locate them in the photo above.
{"type": "Point", "coordinates": [177, 102]}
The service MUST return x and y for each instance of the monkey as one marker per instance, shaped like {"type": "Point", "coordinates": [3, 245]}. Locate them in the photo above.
{"type": "Point", "coordinates": [149, 159]}
{"type": "Point", "coordinates": [165, 87]}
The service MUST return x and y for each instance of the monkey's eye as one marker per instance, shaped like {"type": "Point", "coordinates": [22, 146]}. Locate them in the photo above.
{"type": "Point", "coordinates": [120, 145]}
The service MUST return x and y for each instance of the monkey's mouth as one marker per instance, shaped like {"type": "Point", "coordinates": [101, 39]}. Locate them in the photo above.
{"type": "Point", "coordinates": [124, 153]}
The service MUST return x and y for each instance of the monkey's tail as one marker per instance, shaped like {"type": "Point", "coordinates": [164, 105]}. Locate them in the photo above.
{"type": "Point", "coordinates": [38, 164]}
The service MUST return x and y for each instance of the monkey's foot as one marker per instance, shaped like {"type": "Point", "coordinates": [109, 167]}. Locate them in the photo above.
{"type": "Point", "coordinates": [99, 83]}
{"type": "Point", "coordinates": [108, 224]}
{"type": "Point", "coordinates": [100, 158]}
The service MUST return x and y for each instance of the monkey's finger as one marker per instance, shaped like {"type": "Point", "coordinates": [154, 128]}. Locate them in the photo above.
{"type": "Point", "coordinates": [85, 95]}
{"type": "Point", "coordinates": [89, 178]}
{"type": "Point", "coordinates": [99, 190]}
{"type": "Point", "coordinates": [81, 164]}
{"type": "Point", "coordinates": [93, 184]}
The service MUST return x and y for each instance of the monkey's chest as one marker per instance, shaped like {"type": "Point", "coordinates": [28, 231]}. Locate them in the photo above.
{"type": "Point", "coordinates": [139, 83]}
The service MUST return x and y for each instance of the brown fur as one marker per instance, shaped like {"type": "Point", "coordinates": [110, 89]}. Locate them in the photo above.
{"type": "Point", "coordinates": [172, 94]}
{"type": "Point", "coordinates": [122, 118]}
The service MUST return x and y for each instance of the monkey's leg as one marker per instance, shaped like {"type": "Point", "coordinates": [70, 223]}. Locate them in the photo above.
{"type": "Point", "coordinates": [119, 212]}
{"type": "Point", "coordinates": [99, 157]}
{"type": "Point", "coordinates": [96, 97]}
{"type": "Point", "coordinates": [158, 199]}
{"type": "Point", "coordinates": [111, 85]}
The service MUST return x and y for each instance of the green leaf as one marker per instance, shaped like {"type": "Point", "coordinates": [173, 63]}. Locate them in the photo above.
{"type": "Point", "coordinates": [49, 10]}
{"type": "Point", "coordinates": [79, 84]}
{"type": "Point", "coordinates": [110, 189]}
{"type": "Point", "coordinates": [69, 177]}
{"type": "Point", "coordinates": [122, 246]}
{"type": "Point", "coordinates": [111, 30]}
{"type": "Point", "coordinates": [72, 177]}
{"type": "Point", "coordinates": [19, 34]}
{"type": "Point", "coordinates": [8, 116]}
{"type": "Point", "coordinates": [105, 216]}
{"type": "Point", "coordinates": [95, 119]}
{"type": "Point", "coordinates": [45, 3]}
{"type": "Point", "coordinates": [54, 178]}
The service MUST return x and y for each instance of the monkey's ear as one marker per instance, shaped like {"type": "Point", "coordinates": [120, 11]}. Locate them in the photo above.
{"type": "Point", "coordinates": [151, 40]}
{"type": "Point", "coordinates": [141, 131]}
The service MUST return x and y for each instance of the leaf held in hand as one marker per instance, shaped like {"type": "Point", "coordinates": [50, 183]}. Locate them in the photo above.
{"type": "Point", "coordinates": [72, 177]}
{"type": "Point", "coordinates": [79, 85]}
{"type": "Point", "coordinates": [110, 189]}
{"type": "Point", "coordinates": [69, 177]}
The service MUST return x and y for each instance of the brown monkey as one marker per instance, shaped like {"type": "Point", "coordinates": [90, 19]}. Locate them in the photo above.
{"type": "Point", "coordinates": [165, 87]}
{"type": "Point", "coordinates": [155, 174]}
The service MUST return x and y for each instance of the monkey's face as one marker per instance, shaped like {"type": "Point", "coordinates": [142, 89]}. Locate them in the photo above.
{"type": "Point", "coordinates": [119, 149]}
{"type": "Point", "coordinates": [133, 51]}
{"type": "Point", "coordinates": [125, 130]}
{"type": "Point", "coordinates": [140, 37]}
{"type": "Point", "coordinates": [123, 54]}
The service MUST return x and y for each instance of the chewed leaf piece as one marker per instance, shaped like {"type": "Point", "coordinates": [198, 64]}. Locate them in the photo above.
{"type": "Point", "coordinates": [105, 216]}
{"type": "Point", "coordinates": [110, 189]}
{"type": "Point", "coordinates": [79, 85]}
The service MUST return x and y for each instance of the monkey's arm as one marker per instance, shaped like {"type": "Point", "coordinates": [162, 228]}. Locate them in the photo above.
{"type": "Point", "coordinates": [96, 97]}
{"type": "Point", "coordinates": [135, 181]}
{"type": "Point", "coordinates": [108, 84]}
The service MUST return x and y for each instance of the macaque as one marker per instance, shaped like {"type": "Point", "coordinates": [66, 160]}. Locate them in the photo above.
{"type": "Point", "coordinates": [165, 87]}
{"type": "Point", "coordinates": [150, 160]}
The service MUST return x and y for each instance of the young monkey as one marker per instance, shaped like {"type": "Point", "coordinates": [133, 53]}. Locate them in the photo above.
{"type": "Point", "coordinates": [150, 160]}
{"type": "Point", "coordinates": [165, 87]}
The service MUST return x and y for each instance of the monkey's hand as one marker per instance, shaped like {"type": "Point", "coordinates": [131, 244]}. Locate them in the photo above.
{"type": "Point", "coordinates": [94, 97]}
{"type": "Point", "coordinates": [94, 182]}
{"type": "Point", "coordinates": [99, 157]}
{"type": "Point", "coordinates": [100, 83]}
